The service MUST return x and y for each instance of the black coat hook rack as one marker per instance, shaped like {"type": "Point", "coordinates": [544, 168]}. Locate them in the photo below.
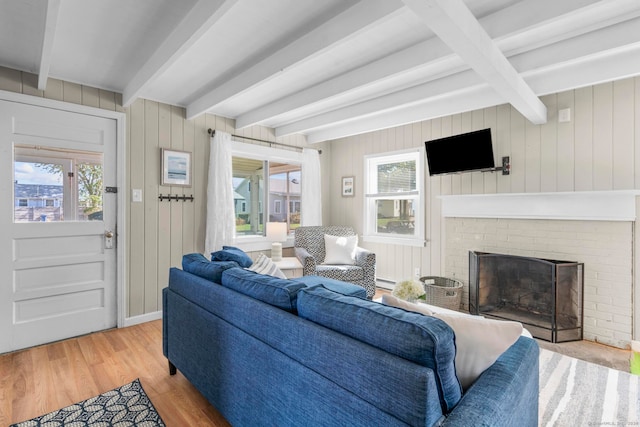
{"type": "Point", "coordinates": [170, 197]}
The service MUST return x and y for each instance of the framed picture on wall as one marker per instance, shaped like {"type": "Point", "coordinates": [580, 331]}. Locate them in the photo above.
{"type": "Point", "coordinates": [348, 189]}
{"type": "Point", "coordinates": [176, 168]}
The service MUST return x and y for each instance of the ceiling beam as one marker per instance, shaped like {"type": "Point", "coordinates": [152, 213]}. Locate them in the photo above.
{"type": "Point", "coordinates": [202, 16]}
{"type": "Point", "coordinates": [330, 33]}
{"type": "Point", "coordinates": [407, 97]}
{"type": "Point", "coordinates": [511, 27]}
{"type": "Point", "coordinates": [50, 25]}
{"type": "Point", "coordinates": [563, 52]}
{"type": "Point", "coordinates": [616, 64]}
{"type": "Point", "coordinates": [454, 24]}
{"type": "Point", "coordinates": [429, 51]}
{"type": "Point", "coordinates": [472, 98]}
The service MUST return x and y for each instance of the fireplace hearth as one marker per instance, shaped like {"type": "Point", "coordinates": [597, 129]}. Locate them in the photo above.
{"type": "Point", "coordinates": [544, 295]}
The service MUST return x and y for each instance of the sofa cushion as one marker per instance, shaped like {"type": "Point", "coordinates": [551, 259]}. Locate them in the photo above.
{"type": "Point", "coordinates": [197, 264]}
{"type": "Point", "coordinates": [423, 340]}
{"type": "Point", "coordinates": [479, 341]}
{"type": "Point", "coordinates": [280, 293]}
{"type": "Point", "coordinates": [339, 286]}
{"type": "Point", "coordinates": [230, 253]}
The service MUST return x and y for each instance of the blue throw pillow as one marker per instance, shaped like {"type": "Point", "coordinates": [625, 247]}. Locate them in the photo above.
{"type": "Point", "coordinates": [200, 266]}
{"type": "Point", "coordinates": [230, 253]}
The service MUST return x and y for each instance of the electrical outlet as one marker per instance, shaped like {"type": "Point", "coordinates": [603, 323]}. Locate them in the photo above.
{"type": "Point", "coordinates": [417, 272]}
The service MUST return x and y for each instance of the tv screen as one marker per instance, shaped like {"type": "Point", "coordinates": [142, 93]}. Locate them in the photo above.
{"type": "Point", "coordinates": [460, 153]}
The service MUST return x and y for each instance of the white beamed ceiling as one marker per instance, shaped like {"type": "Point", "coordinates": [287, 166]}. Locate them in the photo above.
{"type": "Point", "coordinates": [326, 69]}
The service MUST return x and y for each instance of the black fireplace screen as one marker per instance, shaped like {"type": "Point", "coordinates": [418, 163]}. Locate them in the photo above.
{"type": "Point", "coordinates": [544, 295]}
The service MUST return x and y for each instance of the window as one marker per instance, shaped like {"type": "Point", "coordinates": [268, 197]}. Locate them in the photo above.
{"type": "Point", "coordinates": [269, 175]}
{"type": "Point", "coordinates": [52, 184]}
{"type": "Point", "coordinates": [394, 202]}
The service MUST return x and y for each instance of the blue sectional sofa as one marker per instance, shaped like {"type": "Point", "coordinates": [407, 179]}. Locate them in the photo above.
{"type": "Point", "coordinates": [315, 352]}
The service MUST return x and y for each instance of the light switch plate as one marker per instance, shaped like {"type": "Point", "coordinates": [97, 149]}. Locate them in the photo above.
{"type": "Point", "coordinates": [136, 195]}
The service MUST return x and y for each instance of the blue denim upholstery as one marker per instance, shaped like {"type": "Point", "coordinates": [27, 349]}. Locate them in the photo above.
{"type": "Point", "coordinates": [231, 253]}
{"type": "Point", "coordinates": [274, 291]}
{"type": "Point", "coordinates": [333, 285]}
{"type": "Point", "coordinates": [197, 264]}
{"type": "Point", "coordinates": [424, 340]}
{"type": "Point", "coordinates": [261, 365]}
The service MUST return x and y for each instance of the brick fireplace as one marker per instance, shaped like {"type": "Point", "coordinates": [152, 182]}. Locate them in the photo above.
{"type": "Point", "coordinates": [593, 228]}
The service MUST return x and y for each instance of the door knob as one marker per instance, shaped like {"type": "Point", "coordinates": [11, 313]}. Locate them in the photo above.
{"type": "Point", "coordinates": [108, 239]}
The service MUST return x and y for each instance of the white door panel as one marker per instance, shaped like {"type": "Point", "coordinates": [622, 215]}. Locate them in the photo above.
{"type": "Point", "coordinates": [57, 279]}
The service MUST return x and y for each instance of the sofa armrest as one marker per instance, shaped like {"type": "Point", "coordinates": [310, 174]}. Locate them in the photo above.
{"type": "Point", "coordinates": [506, 394]}
{"type": "Point", "coordinates": [307, 260]}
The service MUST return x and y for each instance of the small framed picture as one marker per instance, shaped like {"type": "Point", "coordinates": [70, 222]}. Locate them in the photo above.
{"type": "Point", "coordinates": [348, 189]}
{"type": "Point", "coordinates": [176, 168]}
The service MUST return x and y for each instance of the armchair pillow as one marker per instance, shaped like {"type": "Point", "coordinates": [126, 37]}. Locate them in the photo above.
{"type": "Point", "coordinates": [340, 249]}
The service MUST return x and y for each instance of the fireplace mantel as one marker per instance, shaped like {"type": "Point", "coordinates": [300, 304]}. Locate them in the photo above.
{"type": "Point", "coordinates": [617, 205]}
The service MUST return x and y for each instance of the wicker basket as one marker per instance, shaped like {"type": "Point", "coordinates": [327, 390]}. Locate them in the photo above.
{"type": "Point", "coordinates": [442, 292]}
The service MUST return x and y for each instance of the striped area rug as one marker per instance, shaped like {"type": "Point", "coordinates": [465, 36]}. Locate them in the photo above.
{"type": "Point", "coordinates": [578, 393]}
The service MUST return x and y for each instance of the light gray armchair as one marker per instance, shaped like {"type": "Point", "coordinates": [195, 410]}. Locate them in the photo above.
{"type": "Point", "coordinates": [310, 251]}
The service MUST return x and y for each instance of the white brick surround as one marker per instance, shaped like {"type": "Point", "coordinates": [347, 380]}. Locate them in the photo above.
{"type": "Point", "coordinates": [605, 247]}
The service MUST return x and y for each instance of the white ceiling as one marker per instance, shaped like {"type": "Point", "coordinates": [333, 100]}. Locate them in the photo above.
{"type": "Point", "coordinates": [329, 68]}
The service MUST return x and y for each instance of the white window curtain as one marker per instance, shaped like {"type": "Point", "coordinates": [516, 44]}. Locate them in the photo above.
{"type": "Point", "coordinates": [311, 189]}
{"type": "Point", "coordinates": [220, 204]}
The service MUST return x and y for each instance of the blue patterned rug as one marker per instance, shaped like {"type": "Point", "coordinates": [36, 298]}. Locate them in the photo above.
{"type": "Point", "coordinates": [125, 406]}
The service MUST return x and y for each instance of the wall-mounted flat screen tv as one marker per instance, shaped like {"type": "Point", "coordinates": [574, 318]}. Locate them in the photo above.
{"type": "Point", "coordinates": [460, 153]}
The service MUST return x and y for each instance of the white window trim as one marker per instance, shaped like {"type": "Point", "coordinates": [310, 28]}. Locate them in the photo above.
{"type": "Point", "coordinates": [418, 240]}
{"type": "Point", "coordinates": [260, 152]}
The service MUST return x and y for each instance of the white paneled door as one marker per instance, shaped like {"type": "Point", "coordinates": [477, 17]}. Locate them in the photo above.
{"type": "Point", "coordinates": [57, 224]}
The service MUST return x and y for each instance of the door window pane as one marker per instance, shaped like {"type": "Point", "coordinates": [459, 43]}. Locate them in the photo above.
{"type": "Point", "coordinates": [89, 188]}
{"type": "Point", "coordinates": [38, 192]}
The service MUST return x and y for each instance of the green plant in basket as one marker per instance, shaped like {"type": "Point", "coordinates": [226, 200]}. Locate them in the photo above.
{"type": "Point", "coordinates": [409, 290]}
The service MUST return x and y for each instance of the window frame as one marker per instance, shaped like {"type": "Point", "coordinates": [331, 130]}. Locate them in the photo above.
{"type": "Point", "coordinates": [261, 152]}
{"type": "Point", "coordinates": [371, 196]}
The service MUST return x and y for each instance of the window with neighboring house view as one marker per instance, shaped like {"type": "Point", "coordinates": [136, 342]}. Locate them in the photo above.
{"type": "Point", "coordinates": [257, 180]}
{"type": "Point", "coordinates": [53, 185]}
{"type": "Point", "coordinates": [394, 199]}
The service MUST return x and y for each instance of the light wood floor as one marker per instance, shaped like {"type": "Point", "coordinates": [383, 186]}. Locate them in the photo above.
{"type": "Point", "coordinates": [42, 379]}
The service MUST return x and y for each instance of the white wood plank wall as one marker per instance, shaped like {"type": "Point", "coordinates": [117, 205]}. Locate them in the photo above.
{"type": "Point", "coordinates": [595, 151]}
{"type": "Point", "coordinates": [159, 233]}
{"type": "Point", "coordinates": [599, 149]}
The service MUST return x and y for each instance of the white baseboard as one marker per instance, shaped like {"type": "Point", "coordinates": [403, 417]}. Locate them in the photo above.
{"type": "Point", "coordinates": [385, 283]}
{"type": "Point", "coordinates": [635, 346]}
{"type": "Point", "coordinates": [143, 318]}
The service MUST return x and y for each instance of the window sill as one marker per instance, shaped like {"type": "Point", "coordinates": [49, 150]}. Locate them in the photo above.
{"type": "Point", "coordinates": [258, 243]}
